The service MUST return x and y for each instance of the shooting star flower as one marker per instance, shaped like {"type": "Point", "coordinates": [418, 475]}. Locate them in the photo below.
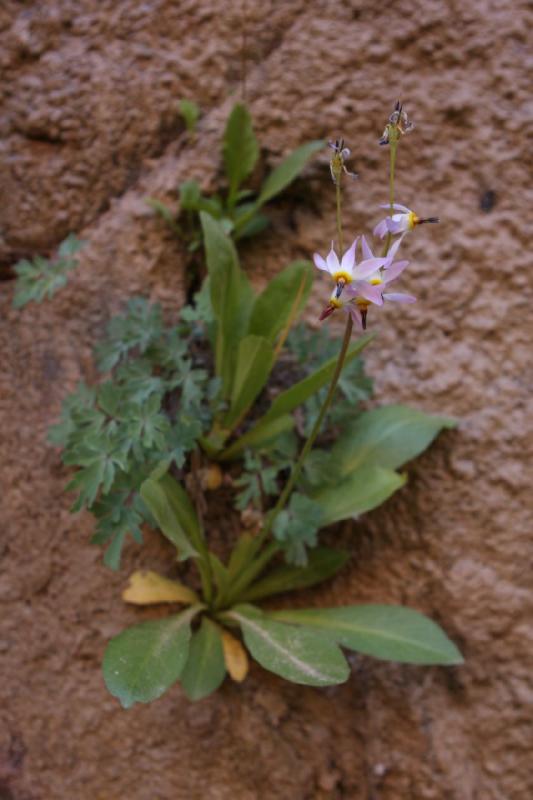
{"type": "Point", "coordinates": [400, 223]}
{"type": "Point", "coordinates": [347, 270]}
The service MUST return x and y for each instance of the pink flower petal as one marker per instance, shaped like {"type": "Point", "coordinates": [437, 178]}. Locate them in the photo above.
{"type": "Point", "coordinates": [367, 252]}
{"type": "Point", "coordinates": [332, 261]}
{"type": "Point", "coordinates": [396, 225]}
{"type": "Point", "coordinates": [393, 249]}
{"type": "Point", "coordinates": [348, 259]}
{"type": "Point", "coordinates": [396, 297]}
{"type": "Point", "coordinates": [394, 271]}
{"type": "Point", "coordinates": [369, 292]}
{"type": "Point", "coordinates": [368, 267]}
{"type": "Point", "coordinates": [380, 229]}
{"type": "Point", "coordinates": [397, 207]}
{"type": "Point", "coordinates": [319, 262]}
{"type": "Point", "coordinates": [355, 314]}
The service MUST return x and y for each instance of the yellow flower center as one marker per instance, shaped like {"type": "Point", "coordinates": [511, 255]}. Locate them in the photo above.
{"type": "Point", "coordinates": [336, 303]}
{"type": "Point", "coordinates": [362, 303]}
{"type": "Point", "coordinates": [342, 276]}
{"type": "Point", "coordinates": [375, 281]}
{"type": "Point", "coordinates": [413, 220]}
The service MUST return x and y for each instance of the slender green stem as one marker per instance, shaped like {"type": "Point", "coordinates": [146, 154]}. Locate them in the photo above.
{"type": "Point", "coordinates": [339, 216]}
{"type": "Point", "coordinates": [256, 567]}
{"type": "Point", "coordinates": [393, 144]}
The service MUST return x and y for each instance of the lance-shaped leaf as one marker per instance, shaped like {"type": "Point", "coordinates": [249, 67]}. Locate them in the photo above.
{"type": "Point", "coordinates": [235, 657]}
{"type": "Point", "coordinates": [387, 436]}
{"type": "Point", "coordinates": [362, 491]}
{"type": "Point", "coordinates": [287, 171]}
{"type": "Point", "coordinates": [298, 654]}
{"type": "Point", "coordinates": [281, 303]}
{"type": "Point", "coordinates": [322, 563]}
{"type": "Point", "coordinates": [142, 662]}
{"type": "Point", "coordinates": [147, 588]}
{"type": "Point", "coordinates": [392, 633]}
{"type": "Point", "coordinates": [240, 148]}
{"type": "Point", "coordinates": [205, 668]}
{"type": "Point", "coordinates": [173, 512]}
{"type": "Point", "coordinates": [254, 361]}
{"type": "Point", "coordinates": [291, 398]}
{"type": "Point", "coordinates": [258, 437]}
{"type": "Point", "coordinates": [230, 297]}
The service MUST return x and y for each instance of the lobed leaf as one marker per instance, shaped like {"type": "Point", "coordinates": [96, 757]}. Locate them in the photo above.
{"type": "Point", "coordinates": [392, 633]}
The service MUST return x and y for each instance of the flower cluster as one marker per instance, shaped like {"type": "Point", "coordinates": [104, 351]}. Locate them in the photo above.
{"type": "Point", "coordinates": [358, 285]}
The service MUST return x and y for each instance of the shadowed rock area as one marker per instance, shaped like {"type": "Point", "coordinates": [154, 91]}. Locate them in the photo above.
{"type": "Point", "coordinates": [89, 128]}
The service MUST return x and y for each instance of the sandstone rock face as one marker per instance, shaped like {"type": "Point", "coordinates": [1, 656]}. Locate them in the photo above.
{"type": "Point", "coordinates": [90, 127]}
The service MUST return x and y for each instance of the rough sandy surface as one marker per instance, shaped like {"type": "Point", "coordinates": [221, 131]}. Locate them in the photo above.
{"type": "Point", "coordinates": [89, 128]}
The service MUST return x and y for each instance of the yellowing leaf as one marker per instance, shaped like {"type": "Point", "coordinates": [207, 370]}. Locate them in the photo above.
{"type": "Point", "coordinates": [235, 657]}
{"type": "Point", "coordinates": [147, 588]}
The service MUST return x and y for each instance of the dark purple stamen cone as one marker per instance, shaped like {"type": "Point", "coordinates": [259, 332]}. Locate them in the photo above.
{"type": "Point", "coordinates": [364, 312]}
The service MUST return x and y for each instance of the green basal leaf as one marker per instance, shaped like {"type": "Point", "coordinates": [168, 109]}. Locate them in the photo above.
{"type": "Point", "coordinates": [297, 654]}
{"type": "Point", "coordinates": [220, 573]}
{"type": "Point", "coordinates": [282, 301]}
{"type": "Point", "coordinates": [322, 563]}
{"type": "Point", "coordinates": [173, 512]}
{"type": "Point", "coordinates": [287, 171]}
{"type": "Point", "coordinates": [255, 358]}
{"type": "Point", "coordinates": [192, 199]}
{"type": "Point", "coordinates": [291, 398]}
{"type": "Point", "coordinates": [240, 148]}
{"type": "Point", "coordinates": [142, 662]}
{"type": "Point", "coordinates": [393, 633]}
{"type": "Point", "coordinates": [258, 437]}
{"type": "Point", "coordinates": [250, 227]}
{"type": "Point", "coordinates": [230, 298]}
{"type": "Point", "coordinates": [190, 113]}
{"type": "Point", "coordinates": [205, 668]}
{"type": "Point", "coordinates": [242, 554]}
{"type": "Point", "coordinates": [361, 491]}
{"type": "Point", "coordinates": [387, 436]}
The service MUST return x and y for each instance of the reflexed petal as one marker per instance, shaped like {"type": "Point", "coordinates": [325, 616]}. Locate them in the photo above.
{"type": "Point", "coordinates": [380, 229]}
{"type": "Point", "coordinates": [319, 262]}
{"type": "Point", "coordinates": [348, 259]}
{"type": "Point", "coordinates": [332, 261]}
{"type": "Point", "coordinates": [355, 314]}
{"type": "Point", "coordinates": [367, 252]}
{"type": "Point", "coordinates": [394, 271]}
{"type": "Point", "coordinates": [397, 297]}
{"type": "Point", "coordinates": [397, 225]}
{"type": "Point", "coordinates": [371, 293]}
{"type": "Point", "coordinates": [368, 267]}
{"type": "Point", "coordinates": [397, 207]}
